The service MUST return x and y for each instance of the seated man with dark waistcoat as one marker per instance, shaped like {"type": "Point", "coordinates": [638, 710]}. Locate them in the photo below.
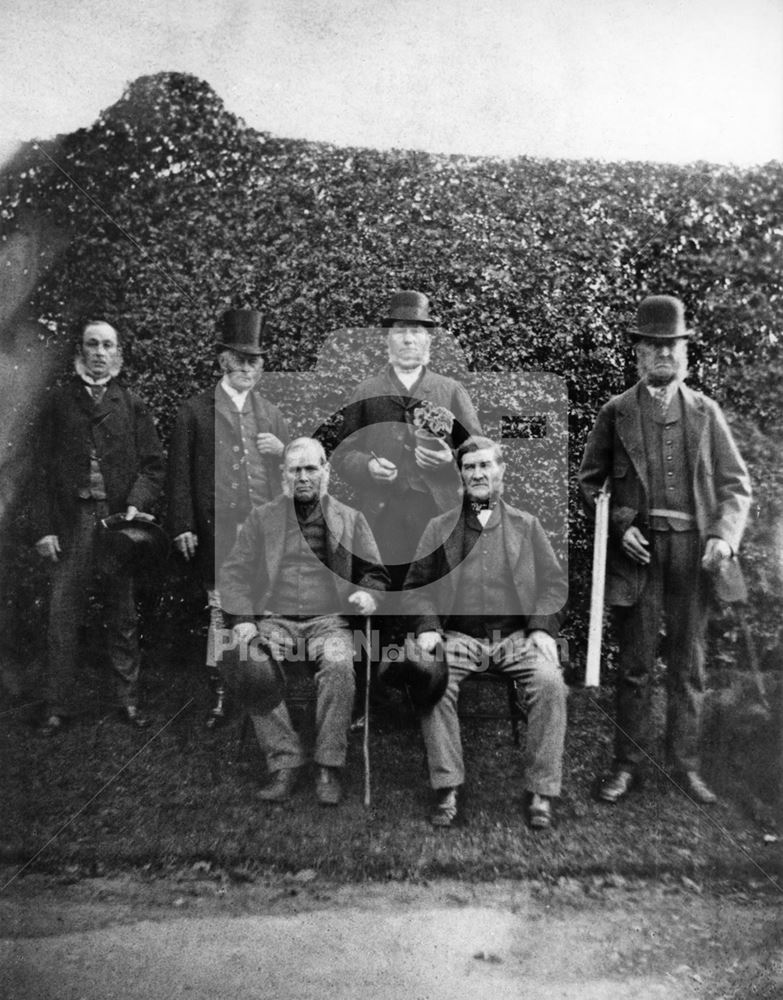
{"type": "Point", "coordinates": [301, 564]}
{"type": "Point", "coordinates": [490, 597]}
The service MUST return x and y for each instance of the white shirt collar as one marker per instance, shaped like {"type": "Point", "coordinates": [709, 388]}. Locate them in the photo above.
{"type": "Point", "coordinates": [237, 398]}
{"type": "Point", "coordinates": [408, 379]}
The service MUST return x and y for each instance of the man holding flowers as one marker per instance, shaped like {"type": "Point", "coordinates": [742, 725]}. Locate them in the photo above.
{"type": "Point", "coordinates": [401, 428]}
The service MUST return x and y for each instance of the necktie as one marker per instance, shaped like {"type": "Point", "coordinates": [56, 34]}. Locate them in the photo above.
{"type": "Point", "coordinates": [662, 400]}
{"type": "Point", "coordinates": [97, 391]}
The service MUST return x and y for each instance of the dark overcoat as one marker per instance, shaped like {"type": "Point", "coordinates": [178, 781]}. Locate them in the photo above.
{"type": "Point", "coordinates": [126, 443]}
{"type": "Point", "coordinates": [720, 481]}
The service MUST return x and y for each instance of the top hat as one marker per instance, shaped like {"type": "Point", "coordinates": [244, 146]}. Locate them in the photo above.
{"type": "Point", "coordinates": [409, 307]}
{"type": "Point", "coordinates": [132, 546]}
{"type": "Point", "coordinates": [661, 317]}
{"type": "Point", "coordinates": [240, 330]}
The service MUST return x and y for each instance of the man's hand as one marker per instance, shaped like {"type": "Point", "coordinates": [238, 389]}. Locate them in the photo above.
{"type": "Point", "coordinates": [428, 642]}
{"type": "Point", "coordinates": [268, 444]}
{"type": "Point", "coordinates": [186, 544]}
{"type": "Point", "coordinates": [131, 512]}
{"type": "Point", "coordinates": [244, 632]}
{"type": "Point", "coordinates": [431, 458]}
{"type": "Point", "coordinates": [715, 551]}
{"type": "Point", "coordinates": [545, 644]}
{"type": "Point", "coordinates": [382, 470]}
{"type": "Point", "coordinates": [48, 547]}
{"type": "Point", "coordinates": [364, 603]}
{"type": "Point", "coordinates": [636, 546]}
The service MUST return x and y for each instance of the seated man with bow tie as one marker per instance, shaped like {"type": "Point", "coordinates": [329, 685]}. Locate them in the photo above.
{"type": "Point", "coordinates": [99, 455]}
{"type": "Point", "coordinates": [489, 594]}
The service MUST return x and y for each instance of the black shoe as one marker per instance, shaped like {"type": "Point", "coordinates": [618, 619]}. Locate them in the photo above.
{"type": "Point", "coordinates": [328, 790]}
{"type": "Point", "coordinates": [616, 785]}
{"type": "Point", "coordinates": [53, 725]}
{"type": "Point", "coordinates": [133, 717]}
{"type": "Point", "coordinates": [539, 812]}
{"type": "Point", "coordinates": [217, 714]}
{"type": "Point", "coordinates": [695, 787]}
{"type": "Point", "coordinates": [280, 787]}
{"type": "Point", "coordinates": [446, 808]}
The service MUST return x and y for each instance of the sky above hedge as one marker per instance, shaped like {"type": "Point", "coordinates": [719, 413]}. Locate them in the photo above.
{"type": "Point", "coordinates": [669, 80]}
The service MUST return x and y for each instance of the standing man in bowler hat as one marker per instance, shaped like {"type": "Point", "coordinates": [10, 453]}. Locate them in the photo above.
{"type": "Point", "coordinates": [99, 455]}
{"type": "Point", "coordinates": [680, 494]}
{"type": "Point", "coordinates": [224, 462]}
{"type": "Point", "coordinates": [400, 482]}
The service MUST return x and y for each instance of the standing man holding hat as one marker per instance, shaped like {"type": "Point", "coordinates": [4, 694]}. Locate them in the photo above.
{"type": "Point", "coordinates": [99, 455]}
{"type": "Point", "coordinates": [224, 462]}
{"type": "Point", "coordinates": [401, 482]}
{"type": "Point", "coordinates": [680, 494]}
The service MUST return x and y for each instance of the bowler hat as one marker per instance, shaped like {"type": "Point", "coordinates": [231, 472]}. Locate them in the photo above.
{"type": "Point", "coordinates": [253, 676]}
{"type": "Point", "coordinates": [131, 546]}
{"type": "Point", "coordinates": [661, 317]}
{"type": "Point", "coordinates": [425, 675]}
{"type": "Point", "coordinates": [241, 330]}
{"type": "Point", "coordinates": [409, 307]}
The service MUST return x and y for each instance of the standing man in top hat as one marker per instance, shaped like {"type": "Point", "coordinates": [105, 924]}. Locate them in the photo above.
{"type": "Point", "coordinates": [99, 455]}
{"type": "Point", "coordinates": [401, 483]}
{"type": "Point", "coordinates": [680, 495]}
{"type": "Point", "coordinates": [224, 461]}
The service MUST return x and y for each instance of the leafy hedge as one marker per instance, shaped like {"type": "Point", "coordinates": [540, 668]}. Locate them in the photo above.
{"type": "Point", "coordinates": [174, 210]}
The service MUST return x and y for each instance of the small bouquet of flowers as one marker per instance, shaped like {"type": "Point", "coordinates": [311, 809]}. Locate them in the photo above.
{"type": "Point", "coordinates": [432, 421]}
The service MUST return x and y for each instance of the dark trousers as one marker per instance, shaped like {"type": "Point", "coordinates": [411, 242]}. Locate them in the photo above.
{"type": "Point", "coordinates": [675, 593]}
{"type": "Point", "coordinates": [72, 578]}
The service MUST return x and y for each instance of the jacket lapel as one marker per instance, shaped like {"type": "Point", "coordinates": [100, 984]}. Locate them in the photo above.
{"type": "Point", "coordinates": [337, 551]}
{"type": "Point", "coordinates": [512, 539]}
{"type": "Point", "coordinates": [629, 430]}
{"type": "Point", "coordinates": [224, 406]}
{"type": "Point", "coordinates": [82, 397]}
{"type": "Point", "coordinates": [695, 417]}
{"type": "Point", "coordinates": [274, 535]}
{"type": "Point", "coordinates": [111, 401]}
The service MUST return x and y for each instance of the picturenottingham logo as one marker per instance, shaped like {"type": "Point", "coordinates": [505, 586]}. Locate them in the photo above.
{"type": "Point", "coordinates": [376, 469]}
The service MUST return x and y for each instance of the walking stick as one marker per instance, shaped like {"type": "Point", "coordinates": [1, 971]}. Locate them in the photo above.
{"type": "Point", "coordinates": [594, 636]}
{"type": "Point", "coordinates": [366, 739]}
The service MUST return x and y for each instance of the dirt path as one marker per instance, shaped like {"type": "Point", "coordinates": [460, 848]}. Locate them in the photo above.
{"type": "Point", "coordinates": [295, 937]}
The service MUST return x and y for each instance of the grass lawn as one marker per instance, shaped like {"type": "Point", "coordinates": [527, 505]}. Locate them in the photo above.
{"type": "Point", "coordinates": [102, 797]}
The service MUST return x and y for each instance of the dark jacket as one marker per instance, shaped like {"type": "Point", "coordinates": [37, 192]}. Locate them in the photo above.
{"type": "Point", "coordinates": [198, 487]}
{"type": "Point", "coordinates": [126, 443]}
{"type": "Point", "coordinates": [433, 578]}
{"type": "Point", "coordinates": [249, 574]}
{"type": "Point", "coordinates": [377, 418]}
{"type": "Point", "coordinates": [615, 448]}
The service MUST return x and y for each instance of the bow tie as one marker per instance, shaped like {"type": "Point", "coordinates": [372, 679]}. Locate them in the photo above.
{"type": "Point", "coordinates": [96, 390]}
{"type": "Point", "coordinates": [477, 505]}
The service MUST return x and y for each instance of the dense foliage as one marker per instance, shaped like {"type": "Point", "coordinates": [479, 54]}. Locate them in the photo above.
{"type": "Point", "coordinates": [174, 210]}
